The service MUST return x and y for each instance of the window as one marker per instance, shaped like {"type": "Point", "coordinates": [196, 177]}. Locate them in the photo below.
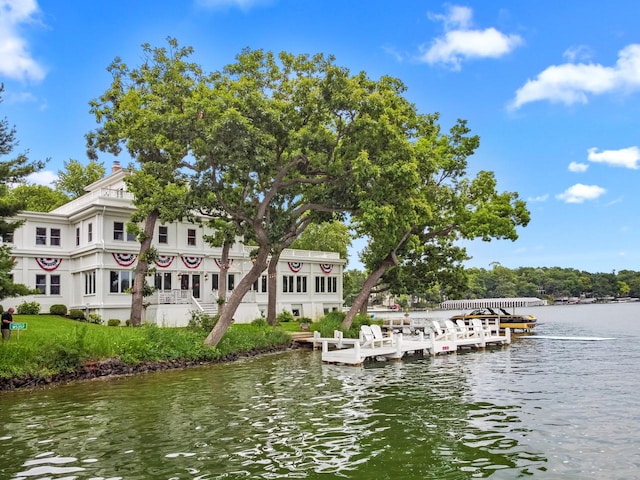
{"type": "Point", "coordinates": [332, 284]}
{"type": "Point", "coordinates": [55, 236]}
{"type": "Point", "coordinates": [163, 234]}
{"type": "Point", "coordinates": [319, 284]}
{"type": "Point", "coordinates": [77, 236]}
{"type": "Point", "coordinates": [90, 232]}
{"type": "Point", "coordinates": [41, 283]}
{"type": "Point", "coordinates": [301, 284]}
{"type": "Point", "coordinates": [162, 281]}
{"type": "Point", "coordinates": [41, 236]}
{"type": "Point", "coordinates": [260, 285]}
{"type": "Point", "coordinates": [120, 281]}
{"type": "Point", "coordinates": [231, 281]}
{"type": "Point", "coordinates": [8, 237]}
{"type": "Point", "coordinates": [120, 233]}
{"type": "Point", "coordinates": [90, 283]}
{"type": "Point", "coordinates": [289, 282]}
{"type": "Point", "coordinates": [191, 237]}
{"type": "Point", "coordinates": [215, 281]}
{"type": "Point", "coordinates": [54, 288]}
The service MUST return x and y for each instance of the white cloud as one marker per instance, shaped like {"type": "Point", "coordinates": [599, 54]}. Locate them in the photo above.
{"type": "Point", "coordinates": [540, 198]}
{"type": "Point", "coordinates": [44, 177]}
{"type": "Point", "coordinates": [578, 167]}
{"type": "Point", "coordinates": [580, 52]}
{"type": "Point", "coordinates": [460, 42]}
{"type": "Point", "coordinates": [571, 83]}
{"type": "Point", "coordinates": [579, 193]}
{"type": "Point", "coordinates": [15, 59]}
{"type": "Point", "coordinates": [625, 157]}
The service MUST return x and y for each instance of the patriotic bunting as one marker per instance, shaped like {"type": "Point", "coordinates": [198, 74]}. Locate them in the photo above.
{"type": "Point", "coordinates": [295, 266]}
{"type": "Point", "coordinates": [221, 266]}
{"type": "Point", "coordinates": [49, 264]}
{"type": "Point", "coordinates": [326, 267]}
{"type": "Point", "coordinates": [192, 262]}
{"type": "Point", "coordinates": [124, 259]}
{"type": "Point", "coordinates": [163, 261]}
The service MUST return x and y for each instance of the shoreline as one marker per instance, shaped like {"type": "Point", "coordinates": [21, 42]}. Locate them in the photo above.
{"type": "Point", "coordinates": [114, 367]}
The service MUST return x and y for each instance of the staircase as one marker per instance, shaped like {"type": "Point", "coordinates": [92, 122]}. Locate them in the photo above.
{"type": "Point", "coordinates": [210, 309]}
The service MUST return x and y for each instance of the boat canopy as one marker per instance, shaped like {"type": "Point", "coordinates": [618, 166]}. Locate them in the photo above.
{"type": "Point", "coordinates": [492, 303]}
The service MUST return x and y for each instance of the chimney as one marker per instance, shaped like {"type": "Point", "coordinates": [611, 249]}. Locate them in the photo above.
{"type": "Point", "coordinates": [116, 166]}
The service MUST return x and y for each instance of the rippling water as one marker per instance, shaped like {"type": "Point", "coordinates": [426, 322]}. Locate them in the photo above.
{"type": "Point", "coordinates": [539, 408]}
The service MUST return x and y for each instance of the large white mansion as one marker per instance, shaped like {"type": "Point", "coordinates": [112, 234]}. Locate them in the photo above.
{"type": "Point", "coordinates": [80, 255]}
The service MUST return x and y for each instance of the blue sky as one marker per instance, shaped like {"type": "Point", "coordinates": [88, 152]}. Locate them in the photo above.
{"type": "Point", "coordinates": [551, 87]}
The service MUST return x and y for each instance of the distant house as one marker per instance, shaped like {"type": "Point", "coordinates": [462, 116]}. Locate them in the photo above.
{"type": "Point", "coordinates": [81, 255]}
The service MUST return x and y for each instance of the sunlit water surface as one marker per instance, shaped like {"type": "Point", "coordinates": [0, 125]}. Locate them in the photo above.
{"type": "Point", "coordinates": [540, 408]}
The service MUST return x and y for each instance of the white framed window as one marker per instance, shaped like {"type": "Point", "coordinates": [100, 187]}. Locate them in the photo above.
{"type": "Point", "coordinates": [41, 236]}
{"type": "Point", "coordinates": [54, 238]}
{"type": "Point", "coordinates": [294, 284]}
{"type": "Point", "coordinates": [54, 286]}
{"type": "Point", "coordinates": [191, 237]}
{"type": "Point", "coordinates": [41, 283]}
{"type": "Point", "coordinates": [320, 285]}
{"type": "Point", "coordinates": [162, 281]}
{"type": "Point", "coordinates": [90, 232]}
{"type": "Point", "coordinates": [90, 283]}
{"type": "Point", "coordinates": [163, 234]}
{"type": "Point", "coordinates": [332, 284]}
{"type": "Point", "coordinates": [77, 236]}
{"type": "Point", "coordinates": [120, 281]}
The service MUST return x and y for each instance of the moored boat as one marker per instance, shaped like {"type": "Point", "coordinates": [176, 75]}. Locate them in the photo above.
{"type": "Point", "coordinates": [506, 319]}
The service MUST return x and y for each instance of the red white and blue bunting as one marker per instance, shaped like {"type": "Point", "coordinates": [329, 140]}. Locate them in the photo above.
{"type": "Point", "coordinates": [163, 261]}
{"type": "Point", "coordinates": [221, 266]}
{"type": "Point", "coordinates": [192, 262]}
{"type": "Point", "coordinates": [124, 259]}
{"type": "Point", "coordinates": [295, 267]}
{"type": "Point", "coordinates": [326, 267]}
{"type": "Point", "coordinates": [48, 264]}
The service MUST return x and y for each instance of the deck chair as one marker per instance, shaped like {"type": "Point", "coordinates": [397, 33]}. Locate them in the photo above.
{"type": "Point", "coordinates": [455, 330]}
{"type": "Point", "coordinates": [440, 334]}
{"type": "Point", "coordinates": [379, 336]}
{"type": "Point", "coordinates": [368, 338]}
{"type": "Point", "coordinates": [464, 328]}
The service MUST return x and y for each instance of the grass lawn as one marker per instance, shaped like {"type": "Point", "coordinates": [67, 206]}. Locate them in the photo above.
{"type": "Point", "coordinates": [53, 344]}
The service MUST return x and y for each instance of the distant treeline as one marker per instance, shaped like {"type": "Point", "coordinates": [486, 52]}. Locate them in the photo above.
{"type": "Point", "coordinates": [552, 283]}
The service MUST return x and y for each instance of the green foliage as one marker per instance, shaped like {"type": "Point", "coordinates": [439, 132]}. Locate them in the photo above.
{"type": "Point", "coordinates": [58, 309]}
{"type": "Point", "coordinates": [28, 308]}
{"type": "Point", "coordinates": [95, 318]}
{"type": "Point", "coordinates": [76, 176]}
{"type": "Point", "coordinates": [202, 321]}
{"type": "Point", "coordinates": [285, 316]}
{"type": "Point", "coordinates": [38, 198]}
{"type": "Point", "coordinates": [53, 344]}
{"type": "Point", "coordinates": [259, 322]}
{"type": "Point", "coordinates": [77, 314]}
{"type": "Point", "coordinates": [113, 322]}
{"type": "Point", "coordinates": [331, 236]}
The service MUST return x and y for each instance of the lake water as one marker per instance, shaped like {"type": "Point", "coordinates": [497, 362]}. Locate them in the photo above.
{"type": "Point", "coordinates": [540, 408]}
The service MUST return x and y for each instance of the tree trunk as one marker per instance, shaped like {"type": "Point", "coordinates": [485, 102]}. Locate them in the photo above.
{"type": "Point", "coordinates": [272, 287]}
{"type": "Point", "coordinates": [362, 298]}
{"type": "Point", "coordinates": [226, 317]}
{"type": "Point", "coordinates": [223, 277]}
{"type": "Point", "coordinates": [142, 267]}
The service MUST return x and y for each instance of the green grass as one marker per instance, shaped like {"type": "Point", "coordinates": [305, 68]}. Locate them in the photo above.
{"type": "Point", "coordinates": [53, 344]}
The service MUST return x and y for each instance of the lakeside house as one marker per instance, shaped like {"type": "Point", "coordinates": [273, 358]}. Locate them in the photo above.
{"type": "Point", "coordinates": [80, 255]}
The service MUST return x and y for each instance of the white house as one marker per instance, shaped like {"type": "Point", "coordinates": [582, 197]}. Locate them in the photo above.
{"type": "Point", "coordinates": [81, 255]}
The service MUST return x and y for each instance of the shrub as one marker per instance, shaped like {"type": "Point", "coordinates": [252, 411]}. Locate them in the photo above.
{"type": "Point", "coordinates": [259, 322]}
{"type": "Point", "coordinates": [76, 314]}
{"type": "Point", "coordinates": [285, 316]}
{"type": "Point", "coordinates": [113, 322]}
{"type": "Point", "coordinates": [29, 308]}
{"type": "Point", "coordinates": [200, 320]}
{"type": "Point", "coordinates": [95, 318]}
{"type": "Point", "coordinates": [58, 309]}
